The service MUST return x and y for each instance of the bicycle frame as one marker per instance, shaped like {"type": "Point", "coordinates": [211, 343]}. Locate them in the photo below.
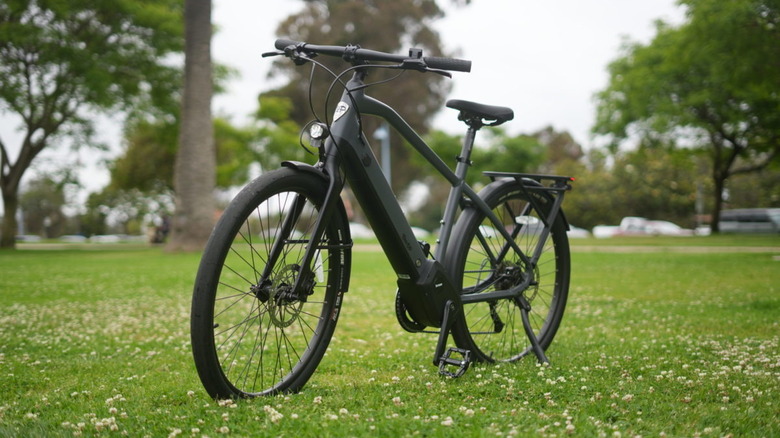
{"type": "Point", "coordinates": [409, 261]}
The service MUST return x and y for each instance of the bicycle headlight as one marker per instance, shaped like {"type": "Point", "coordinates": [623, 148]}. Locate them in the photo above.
{"type": "Point", "coordinates": [318, 131]}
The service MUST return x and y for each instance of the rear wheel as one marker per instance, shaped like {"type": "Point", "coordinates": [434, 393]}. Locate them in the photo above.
{"type": "Point", "coordinates": [483, 261]}
{"type": "Point", "coordinates": [253, 332]}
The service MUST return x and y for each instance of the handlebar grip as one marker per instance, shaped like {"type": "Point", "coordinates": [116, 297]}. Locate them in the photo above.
{"type": "Point", "coordinates": [451, 64]}
{"type": "Point", "coordinates": [282, 43]}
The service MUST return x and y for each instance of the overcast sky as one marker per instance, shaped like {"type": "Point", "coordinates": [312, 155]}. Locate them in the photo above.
{"type": "Point", "coordinates": [543, 58]}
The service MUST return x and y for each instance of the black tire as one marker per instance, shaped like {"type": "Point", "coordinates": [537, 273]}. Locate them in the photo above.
{"type": "Point", "coordinates": [493, 331]}
{"type": "Point", "coordinates": [253, 336]}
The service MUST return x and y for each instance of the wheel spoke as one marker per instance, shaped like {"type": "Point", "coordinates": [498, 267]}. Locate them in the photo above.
{"type": "Point", "coordinates": [495, 332]}
{"type": "Point", "coordinates": [265, 336]}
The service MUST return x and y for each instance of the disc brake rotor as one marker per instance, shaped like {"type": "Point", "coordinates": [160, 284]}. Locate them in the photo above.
{"type": "Point", "coordinates": [282, 307]}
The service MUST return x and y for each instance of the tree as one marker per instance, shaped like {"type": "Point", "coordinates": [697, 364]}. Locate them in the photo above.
{"type": "Point", "coordinates": [195, 169]}
{"type": "Point", "coordinates": [61, 62]}
{"type": "Point", "coordinates": [561, 148]}
{"type": "Point", "coordinates": [711, 83]}
{"type": "Point", "coordinates": [125, 211]}
{"type": "Point", "coordinates": [41, 202]}
{"type": "Point", "coordinates": [389, 26]}
{"type": "Point", "coordinates": [147, 163]}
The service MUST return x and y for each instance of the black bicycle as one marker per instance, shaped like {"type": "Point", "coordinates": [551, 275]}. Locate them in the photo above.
{"type": "Point", "coordinates": [274, 273]}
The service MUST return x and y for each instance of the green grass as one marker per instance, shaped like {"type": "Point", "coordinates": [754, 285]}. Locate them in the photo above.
{"type": "Point", "coordinates": [681, 344]}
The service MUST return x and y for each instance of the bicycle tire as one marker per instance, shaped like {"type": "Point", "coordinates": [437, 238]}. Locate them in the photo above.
{"type": "Point", "coordinates": [250, 336]}
{"type": "Point", "coordinates": [493, 331]}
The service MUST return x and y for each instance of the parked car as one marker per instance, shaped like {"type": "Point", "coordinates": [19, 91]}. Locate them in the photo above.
{"type": "Point", "coordinates": [639, 226]}
{"type": "Point", "coordinates": [750, 220]}
{"type": "Point", "coordinates": [604, 231]}
{"type": "Point", "coordinates": [577, 233]}
{"type": "Point", "coordinates": [666, 228]}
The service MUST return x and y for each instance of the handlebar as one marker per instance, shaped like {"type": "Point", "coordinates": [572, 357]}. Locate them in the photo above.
{"type": "Point", "coordinates": [356, 54]}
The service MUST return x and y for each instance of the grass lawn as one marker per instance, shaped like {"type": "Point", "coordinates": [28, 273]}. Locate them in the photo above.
{"type": "Point", "coordinates": [654, 343]}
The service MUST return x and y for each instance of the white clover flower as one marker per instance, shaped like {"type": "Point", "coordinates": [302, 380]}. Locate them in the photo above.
{"type": "Point", "coordinates": [274, 415]}
{"type": "Point", "coordinates": [226, 403]}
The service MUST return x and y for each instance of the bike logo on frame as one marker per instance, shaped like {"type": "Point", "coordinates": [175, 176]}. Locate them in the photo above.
{"type": "Point", "coordinates": [341, 109]}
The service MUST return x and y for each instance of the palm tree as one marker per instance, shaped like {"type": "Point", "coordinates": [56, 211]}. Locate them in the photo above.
{"type": "Point", "coordinates": [194, 172]}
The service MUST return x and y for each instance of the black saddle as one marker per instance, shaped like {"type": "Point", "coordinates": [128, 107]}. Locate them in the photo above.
{"type": "Point", "coordinates": [481, 115]}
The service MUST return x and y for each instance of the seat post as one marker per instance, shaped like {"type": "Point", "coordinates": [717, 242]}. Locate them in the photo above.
{"type": "Point", "coordinates": [464, 159]}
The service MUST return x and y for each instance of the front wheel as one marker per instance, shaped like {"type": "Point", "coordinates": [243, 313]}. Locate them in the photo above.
{"type": "Point", "coordinates": [483, 261]}
{"type": "Point", "coordinates": [254, 333]}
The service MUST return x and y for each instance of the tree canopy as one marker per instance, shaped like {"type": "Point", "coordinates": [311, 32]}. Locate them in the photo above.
{"type": "Point", "coordinates": [63, 61]}
{"type": "Point", "coordinates": [711, 83]}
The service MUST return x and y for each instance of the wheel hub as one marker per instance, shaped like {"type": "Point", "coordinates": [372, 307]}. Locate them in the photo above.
{"type": "Point", "coordinates": [512, 275]}
{"type": "Point", "coordinates": [283, 304]}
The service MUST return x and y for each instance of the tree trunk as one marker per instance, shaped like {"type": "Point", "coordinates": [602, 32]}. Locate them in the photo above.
{"type": "Point", "coordinates": [8, 232]}
{"type": "Point", "coordinates": [720, 183]}
{"type": "Point", "coordinates": [195, 169]}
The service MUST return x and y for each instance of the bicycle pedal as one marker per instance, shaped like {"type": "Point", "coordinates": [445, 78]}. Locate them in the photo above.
{"type": "Point", "coordinates": [461, 364]}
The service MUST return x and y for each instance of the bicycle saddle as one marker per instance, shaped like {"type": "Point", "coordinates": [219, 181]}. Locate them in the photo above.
{"type": "Point", "coordinates": [475, 112]}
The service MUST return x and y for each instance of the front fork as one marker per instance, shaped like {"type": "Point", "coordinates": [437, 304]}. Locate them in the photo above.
{"type": "Point", "coordinates": [305, 275]}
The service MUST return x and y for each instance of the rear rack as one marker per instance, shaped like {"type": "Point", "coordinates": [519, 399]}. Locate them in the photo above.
{"type": "Point", "coordinates": [559, 183]}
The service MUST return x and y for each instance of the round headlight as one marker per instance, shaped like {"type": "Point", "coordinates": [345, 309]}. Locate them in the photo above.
{"type": "Point", "coordinates": [318, 131]}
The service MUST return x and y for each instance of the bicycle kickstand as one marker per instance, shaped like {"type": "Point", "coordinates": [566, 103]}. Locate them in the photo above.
{"type": "Point", "coordinates": [525, 307]}
{"type": "Point", "coordinates": [444, 359]}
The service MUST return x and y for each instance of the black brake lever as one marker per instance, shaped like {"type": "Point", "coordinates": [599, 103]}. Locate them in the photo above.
{"type": "Point", "coordinates": [440, 72]}
{"type": "Point", "coordinates": [298, 57]}
{"type": "Point", "coordinates": [419, 65]}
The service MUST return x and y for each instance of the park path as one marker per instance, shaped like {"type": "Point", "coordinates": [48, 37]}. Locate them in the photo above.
{"type": "Point", "coordinates": [692, 249]}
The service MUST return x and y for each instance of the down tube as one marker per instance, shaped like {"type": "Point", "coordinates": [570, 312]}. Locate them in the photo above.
{"type": "Point", "coordinates": [376, 198]}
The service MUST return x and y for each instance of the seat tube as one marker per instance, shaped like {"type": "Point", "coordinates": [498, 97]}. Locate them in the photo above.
{"type": "Point", "coordinates": [461, 170]}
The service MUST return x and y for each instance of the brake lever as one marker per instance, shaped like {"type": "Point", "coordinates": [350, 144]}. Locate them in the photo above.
{"type": "Point", "coordinates": [419, 65]}
{"type": "Point", "coordinates": [444, 73]}
{"type": "Point", "coordinates": [298, 57]}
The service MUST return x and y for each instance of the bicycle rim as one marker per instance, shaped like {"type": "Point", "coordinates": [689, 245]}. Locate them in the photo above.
{"type": "Point", "coordinates": [252, 333]}
{"type": "Point", "coordinates": [493, 330]}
